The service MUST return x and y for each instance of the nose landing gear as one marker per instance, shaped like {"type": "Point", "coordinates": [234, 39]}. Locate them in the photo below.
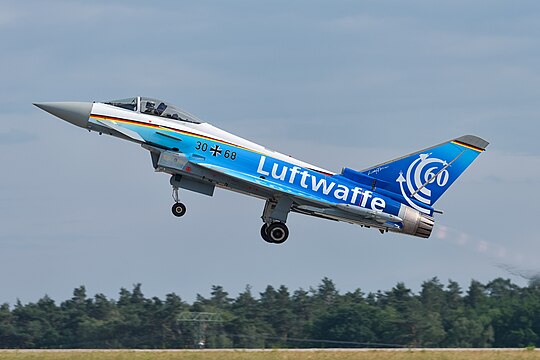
{"type": "Point", "coordinates": [178, 209]}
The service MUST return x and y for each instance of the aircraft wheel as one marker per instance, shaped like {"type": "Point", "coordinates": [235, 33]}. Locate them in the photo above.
{"type": "Point", "coordinates": [277, 232]}
{"type": "Point", "coordinates": [178, 209]}
{"type": "Point", "coordinates": [264, 234]}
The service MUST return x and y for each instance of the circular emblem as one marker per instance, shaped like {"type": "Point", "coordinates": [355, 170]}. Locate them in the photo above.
{"type": "Point", "coordinates": [423, 174]}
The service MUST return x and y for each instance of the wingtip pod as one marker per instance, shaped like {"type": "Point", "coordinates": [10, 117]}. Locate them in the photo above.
{"type": "Point", "coordinates": [472, 141]}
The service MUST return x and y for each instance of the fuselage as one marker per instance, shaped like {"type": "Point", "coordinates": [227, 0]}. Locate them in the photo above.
{"type": "Point", "coordinates": [202, 141]}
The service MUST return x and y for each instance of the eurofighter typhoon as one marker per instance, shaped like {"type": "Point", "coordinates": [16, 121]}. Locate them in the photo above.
{"type": "Point", "coordinates": [397, 196]}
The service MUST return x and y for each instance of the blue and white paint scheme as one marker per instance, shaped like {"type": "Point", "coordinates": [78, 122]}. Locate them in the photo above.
{"type": "Point", "coordinates": [396, 196]}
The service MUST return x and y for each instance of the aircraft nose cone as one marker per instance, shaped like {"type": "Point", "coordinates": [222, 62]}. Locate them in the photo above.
{"type": "Point", "coordinates": [76, 113]}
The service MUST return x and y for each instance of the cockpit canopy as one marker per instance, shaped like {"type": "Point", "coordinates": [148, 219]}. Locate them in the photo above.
{"type": "Point", "coordinates": [154, 107]}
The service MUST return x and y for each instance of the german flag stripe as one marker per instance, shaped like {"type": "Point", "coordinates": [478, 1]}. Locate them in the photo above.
{"type": "Point", "coordinates": [167, 128]}
{"type": "Point", "coordinates": [467, 146]}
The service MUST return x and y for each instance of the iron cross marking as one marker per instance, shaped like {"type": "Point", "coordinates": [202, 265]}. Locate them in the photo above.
{"type": "Point", "coordinates": [215, 150]}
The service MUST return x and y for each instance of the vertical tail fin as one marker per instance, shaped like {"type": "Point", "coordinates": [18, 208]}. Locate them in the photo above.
{"type": "Point", "coordinates": [425, 175]}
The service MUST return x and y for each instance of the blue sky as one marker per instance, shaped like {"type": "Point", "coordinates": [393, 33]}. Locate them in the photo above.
{"type": "Point", "coordinates": [342, 83]}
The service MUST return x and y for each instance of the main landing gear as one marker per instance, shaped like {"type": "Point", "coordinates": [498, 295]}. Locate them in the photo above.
{"type": "Point", "coordinates": [178, 209]}
{"type": "Point", "coordinates": [275, 213]}
{"type": "Point", "coordinates": [275, 233]}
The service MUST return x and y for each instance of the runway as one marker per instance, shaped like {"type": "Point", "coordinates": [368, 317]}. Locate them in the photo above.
{"type": "Point", "coordinates": [276, 350]}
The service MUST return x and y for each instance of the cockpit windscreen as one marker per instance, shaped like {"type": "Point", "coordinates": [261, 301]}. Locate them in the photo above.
{"type": "Point", "coordinates": [161, 108]}
{"type": "Point", "coordinates": [154, 107]}
{"type": "Point", "coordinates": [128, 104]}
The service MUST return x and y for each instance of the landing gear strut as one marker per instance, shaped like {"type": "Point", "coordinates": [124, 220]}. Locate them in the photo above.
{"type": "Point", "coordinates": [178, 209]}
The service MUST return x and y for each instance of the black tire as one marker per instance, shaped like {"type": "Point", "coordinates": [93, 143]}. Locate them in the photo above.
{"type": "Point", "coordinates": [277, 232]}
{"type": "Point", "coordinates": [178, 209]}
{"type": "Point", "coordinates": [264, 234]}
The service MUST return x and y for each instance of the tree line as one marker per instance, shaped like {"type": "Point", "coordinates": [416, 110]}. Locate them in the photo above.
{"type": "Point", "coordinates": [496, 314]}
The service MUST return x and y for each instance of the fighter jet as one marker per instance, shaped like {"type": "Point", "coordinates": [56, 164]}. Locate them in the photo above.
{"type": "Point", "coordinates": [396, 196]}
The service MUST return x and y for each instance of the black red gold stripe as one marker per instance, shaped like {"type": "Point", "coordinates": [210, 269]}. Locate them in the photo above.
{"type": "Point", "coordinates": [154, 126]}
{"type": "Point", "coordinates": [188, 133]}
{"type": "Point", "coordinates": [467, 146]}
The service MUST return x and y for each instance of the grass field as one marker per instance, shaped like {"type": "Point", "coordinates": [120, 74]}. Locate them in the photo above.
{"type": "Point", "coordinates": [270, 355]}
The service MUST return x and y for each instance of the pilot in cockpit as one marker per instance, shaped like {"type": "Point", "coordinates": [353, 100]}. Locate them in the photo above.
{"type": "Point", "coordinates": [160, 109]}
{"type": "Point", "coordinates": [150, 108]}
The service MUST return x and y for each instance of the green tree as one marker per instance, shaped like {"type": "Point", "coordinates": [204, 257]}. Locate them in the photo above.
{"type": "Point", "coordinates": [430, 328]}
{"type": "Point", "coordinates": [247, 328]}
{"type": "Point", "coordinates": [403, 315]}
{"type": "Point", "coordinates": [37, 324]}
{"type": "Point", "coordinates": [277, 311]}
{"type": "Point", "coordinates": [302, 309]}
{"type": "Point", "coordinates": [349, 321]}
{"type": "Point", "coordinates": [8, 332]}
